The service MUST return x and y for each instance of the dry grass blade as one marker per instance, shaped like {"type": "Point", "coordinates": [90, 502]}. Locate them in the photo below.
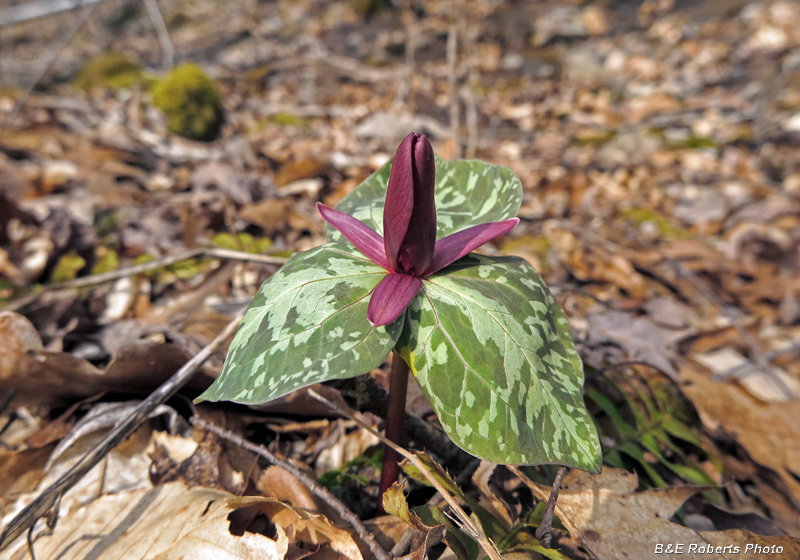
{"type": "Point", "coordinates": [466, 523]}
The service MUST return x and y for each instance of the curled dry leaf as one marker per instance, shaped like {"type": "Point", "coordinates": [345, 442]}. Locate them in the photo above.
{"type": "Point", "coordinates": [640, 337]}
{"type": "Point", "coordinates": [770, 432]}
{"type": "Point", "coordinates": [606, 515]}
{"type": "Point", "coordinates": [166, 522]}
{"type": "Point", "coordinates": [40, 375]}
{"type": "Point", "coordinates": [774, 385]}
{"type": "Point", "coordinates": [394, 502]}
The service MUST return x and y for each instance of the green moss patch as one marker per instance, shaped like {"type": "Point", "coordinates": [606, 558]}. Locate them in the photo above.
{"type": "Point", "coordinates": [112, 71]}
{"type": "Point", "coordinates": [665, 228]}
{"type": "Point", "coordinates": [191, 102]}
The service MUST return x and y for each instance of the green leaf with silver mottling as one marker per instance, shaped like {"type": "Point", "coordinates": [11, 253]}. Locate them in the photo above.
{"type": "Point", "coordinates": [307, 324]}
{"type": "Point", "coordinates": [468, 193]}
{"type": "Point", "coordinates": [492, 350]}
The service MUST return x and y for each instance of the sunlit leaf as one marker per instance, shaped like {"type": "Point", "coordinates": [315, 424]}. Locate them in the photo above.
{"type": "Point", "coordinates": [492, 351]}
{"type": "Point", "coordinates": [307, 324]}
{"type": "Point", "coordinates": [468, 193]}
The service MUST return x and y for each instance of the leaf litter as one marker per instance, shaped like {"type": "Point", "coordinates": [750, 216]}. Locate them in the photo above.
{"type": "Point", "coordinates": [657, 151]}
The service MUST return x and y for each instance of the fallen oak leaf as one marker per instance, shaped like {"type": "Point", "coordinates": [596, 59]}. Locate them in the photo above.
{"type": "Point", "coordinates": [166, 522]}
{"type": "Point", "coordinates": [606, 515]}
{"type": "Point", "coordinates": [770, 432]}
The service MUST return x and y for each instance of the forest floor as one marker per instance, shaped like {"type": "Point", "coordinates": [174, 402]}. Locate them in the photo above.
{"type": "Point", "coordinates": [658, 144]}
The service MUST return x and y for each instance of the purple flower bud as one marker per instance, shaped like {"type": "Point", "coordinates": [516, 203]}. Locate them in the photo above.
{"type": "Point", "coordinates": [409, 216]}
{"type": "Point", "coordinates": [409, 250]}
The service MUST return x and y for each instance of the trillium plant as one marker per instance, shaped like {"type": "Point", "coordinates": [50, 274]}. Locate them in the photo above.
{"type": "Point", "coordinates": [483, 336]}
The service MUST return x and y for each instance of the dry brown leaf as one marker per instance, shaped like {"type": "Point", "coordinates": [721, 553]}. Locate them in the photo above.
{"type": "Point", "coordinates": [640, 337]}
{"type": "Point", "coordinates": [21, 471]}
{"type": "Point", "coordinates": [312, 531]}
{"type": "Point", "coordinates": [279, 483]}
{"type": "Point", "coordinates": [774, 385]}
{"type": "Point", "coordinates": [606, 515]}
{"type": "Point", "coordinates": [501, 510]}
{"type": "Point", "coordinates": [40, 375]}
{"type": "Point", "coordinates": [165, 522]}
{"type": "Point", "coordinates": [769, 431]}
{"type": "Point", "coordinates": [270, 214]}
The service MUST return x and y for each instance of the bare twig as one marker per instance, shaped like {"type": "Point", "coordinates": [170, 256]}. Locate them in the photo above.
{"type": "Point", "coordinates": [95, 279]}
{"type": "Point", "coordinates": [54, 54]}
{"type": "Point", "coordinates": [40, 8]}
{"type": "Point", "coordinates": [45, 501]}
{"type": "Point", "coordinates": [452, 81]}
{"type": "Point", "coordinates": [545, 530]}
{"type": "Point", "coordinates": [469, 34]}
{"type": "Point", "coordinates": [312, 484]}
{"type": "Point", "coordinates": [467, 524]}
{"type": "Point", "coordinates": [405, 92]}
{"type": "Point", "coordinates": [163, 33]}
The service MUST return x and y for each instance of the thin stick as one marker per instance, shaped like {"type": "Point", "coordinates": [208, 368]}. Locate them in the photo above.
{"type": "Point", "coordinates": [346, 513]}
{"type": "Point", "coordinates": [545, 530]}
{"type": "Point", "coordinates": [452, 79]}
{"type": "Point", "coordinates": [163, 33]}
{"type": "Point", "coordinates": [395, 421]}
{"type": "Point", "coordinates": [40, 8]}
{"type": "Point", "coordinates": [54, 54]}
{"type": "Point", "coordinates": [469, 32]}
{"type": "Point", "coordinates": [42, 504]}
{"type": "Point", "coordinates": [466, 523]}
{"type": "Point", "coordinates": [95, 279]}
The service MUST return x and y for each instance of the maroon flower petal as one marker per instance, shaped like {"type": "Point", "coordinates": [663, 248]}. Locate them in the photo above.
{"type": "Point", "coordinates": [359, 234]}
{"type": "Point", "coordinates": [455, 246]}
{"type": "Point", "coordinates": [390, 298]}
{"type": "Point", "coordinates": [409, 215]}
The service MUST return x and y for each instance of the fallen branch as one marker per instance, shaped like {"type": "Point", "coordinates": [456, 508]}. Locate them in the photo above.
{"type": "Point", "coordinates": [346, 513]}
{"type": "Point", "coordinates": [46, 500]}
{"type": "Point", "coordinates": [163, 33]}
{"type": "Point", "coordinates": [53, 57]}
{"type": "Point", "coordinates": [95, 279]}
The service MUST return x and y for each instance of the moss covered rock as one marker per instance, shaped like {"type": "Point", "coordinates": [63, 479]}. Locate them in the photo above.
{"type": "Point", "coordinates": [191, 102]}
{"type": "Point", "coordinates": [112, 71]}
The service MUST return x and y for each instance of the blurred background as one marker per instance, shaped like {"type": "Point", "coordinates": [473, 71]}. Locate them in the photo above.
{"type": "Point", "coordinates": [657, 142]}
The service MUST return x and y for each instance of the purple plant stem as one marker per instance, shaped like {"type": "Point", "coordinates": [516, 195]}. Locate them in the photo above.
{"type": "Point", "coordinates": [395, 419]}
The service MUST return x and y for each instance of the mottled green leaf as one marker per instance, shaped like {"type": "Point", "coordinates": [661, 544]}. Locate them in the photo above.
{"type": "Point", "coordinates": [492, 350]}
{"type": "Point", "coordinates": [468, 193]}
{"type": "Point", "coordinates": [307, 324]}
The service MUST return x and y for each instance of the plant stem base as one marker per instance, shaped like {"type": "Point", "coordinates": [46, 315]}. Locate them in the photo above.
{"type": "Point", "coordinates": [395, 419]}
